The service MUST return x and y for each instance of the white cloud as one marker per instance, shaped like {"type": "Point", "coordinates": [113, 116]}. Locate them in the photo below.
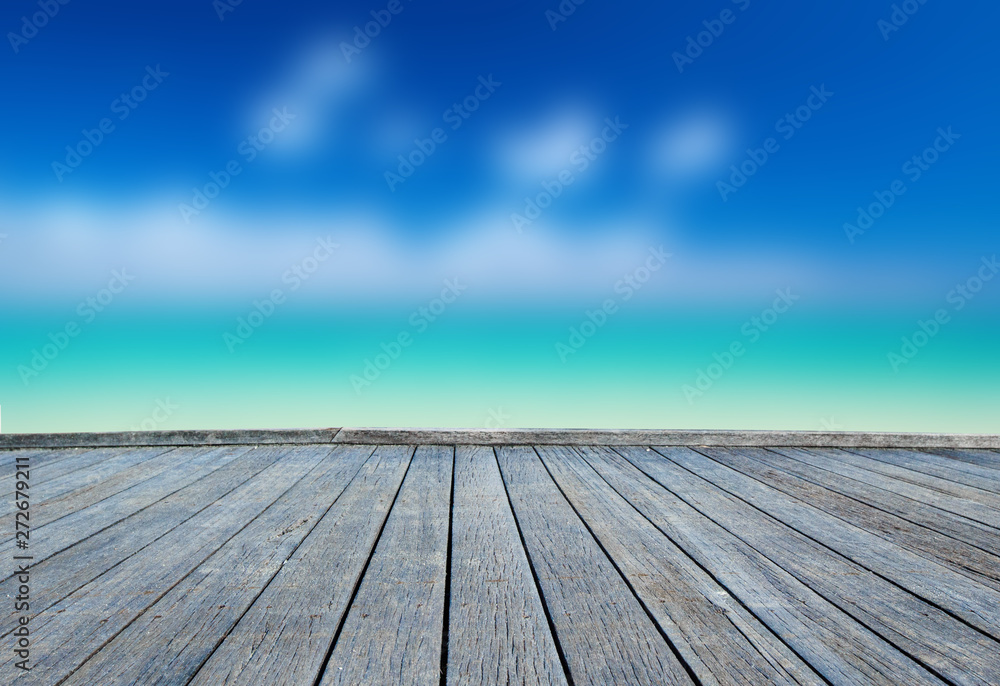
{"type": "Point", "coordinates": [315, 88]}
{"type": "Point", "coordinates": [544, 148]}
{"type": "Point", "coordinates": [62, 256]}
{"type": "Point", "coordinates": [693, 143]}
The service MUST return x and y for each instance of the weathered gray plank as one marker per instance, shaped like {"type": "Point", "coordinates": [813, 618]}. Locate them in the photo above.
{"type": "Point", "coordinates": [100, 481]}
{"type": "Point", "coordinates": [73, 567]}
{"type": "Point", "coordinates": [934, 582]}
{"type": "Point", "coordinates": [523, 437]}
{"type": "Point", "coordinates": [716, 636]}
{"type": "Point", "coordinates": [285, 635]}
{"type": "Point", "coordinates": [50, 481]}
{"type": "Point", "coordinates": [985, 461]}
{"type": "Point", "coordinates": [605, 634]}
{"type": "Point", "coordinates": [505, 436]}
{"type": "Point", "coordinates": [842, 650]}
{"type": "Point", "coordinates": [49, 538]}
{"type": "Point", "coordinates": [937, 640]}
{"type": "Point", "coordinates": [192, 438]}
{"type": "Point", "coordinates": [960, 472]}
{"type": "Point", "coordinates": [171, 640]}
{"type": "Point", "coordinates": [40, 466]}
{"type": "Point", "coordinates": [44, 474]}
{"type": "Point", "coordinates": [832, 612]}
{"type": "Point", "coordinates": [983, 458]}
{"type": "Point", "coordinates": [71, 630]}
{"type": "Point", "coordinates": [39, 456]}
{"type": "Point", "coordinates": [393, 630]}
{"type": "Point", "coordinates": [962, 494]}
{"type": "Point", "coordinates": [60, 462]}
{"type": "Point", "coordinates": [8, 456]}
{"type": "Point", "coordinates": [807, 483]}
{"type": "Point", "coordinates": [892, 495]}
{"type": "Point", "coordinates": [497, 631]}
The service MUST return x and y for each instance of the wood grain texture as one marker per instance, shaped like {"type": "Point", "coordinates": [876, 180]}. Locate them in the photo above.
{"type": "Point", "coordinates": [983, 478]}
{"type": "Point", "coordinates": [66, 530]}
{"type": "Point", "coordinates": [68, 570]}
{"type": "Point", "coordinates": [716, 636]}
{"type": "Point", "coordinates": [927, 507]}
{"type": "Point", "coordinates": [531, 437]}
{"type": "Point", "coordinates": [89, 486]}
{"type": "Point", "coordinates": [77, 626]}
{"type": "Point", "coordinates": [503, 437]}
{"type": "Point", "coordinates": [955, 593]}
{"type": "Point", "coordinates": [173, 638]}
{"type": "Point", "coordinates": [605, 634]}
{"type": "Point", "coordinates": [83, 488]}
{"type": "Point", "coordinates": [393, 630]}
{"type": "Point", "coordinates": [926, 488]}
{"type": "Point", "coordinates": [8, 456]}
{"type": "Point", "coordinates": [820, 489]}
{"type": "Point", "coordinates": [983, 458]}
{"type": "Point", "coordinates": [43, 471]}
{"type": "Point", "coordinates": [37, 457]}
{"type": "Point", "coordinates": [339, 562]}
{"type": "Point", "coordinates": [285, 635]}
{"type": "Point", "coordinates": [941, 643]}
{"type": "Point", "coordinates": [831, 641]}
{"type": "Point", "coordinates": [190, 438]}
{"type": "Point", "coordinates": [498, 633]}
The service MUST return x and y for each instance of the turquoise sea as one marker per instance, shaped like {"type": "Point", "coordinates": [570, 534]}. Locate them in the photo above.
{"type": "Point", "coordinates": [479, 365]}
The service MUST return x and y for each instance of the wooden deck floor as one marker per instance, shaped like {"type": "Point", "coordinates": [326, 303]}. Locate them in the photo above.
{"type": "Point", "coordinates": [394, 564]}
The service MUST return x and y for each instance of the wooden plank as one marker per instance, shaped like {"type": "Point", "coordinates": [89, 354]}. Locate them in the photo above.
{"type": "Point", "coordinates": [9, 456]}
{"type": "Point", "coordinates": [40, 464]}
{"type": "Point", "coordinates": [49, 538]}
{"type": "Point", "coordinates": [86, 560]}
{"type": "Point", "coordinates": [982, 463]}
{"type": "Point", "coordinates": [961, 494]}
{"type": "Point", "coordinates": [953, 470]}
{"type": "Point", "coordinates": [497, 630]}
{"type": "Point", "coordinates": [198, 438]}
{"type": "Point", "coordinates": [73, 629]}
{"type": "Point", "coordinates": [41, 456]}
{"type": "Point", "coordinates": [715, 635]}
{"type": "Point", "coordinates": [839, 648]}
{"type": "Point", "coordinates": [934, 582]}
{"type": "Point", "coordinates": [941, 643]}
{"type": "Point", "coordinates": [44, 474]}
{"type": "Point", "coordinates": [52, 480]}
{"type": "Point", "coordinates": [806, 483]}
{"type": "Point", "coordinates": [523, 437]}
{"type": "Point", "coordinates": [892, 495]}
{"type": "Point", "coordinates": [99, 482]}
{"type": "Point", "coordinates": [286, 634]}
{"type": "Point", "coordinates": [983, 458]}
{"type": "Point", "coordinates": [605, 635]}
{"type": "Point", "coordinates": [393, 630]}
{"type": "Point", "coordinates": [170, 641]}
{"type": "Point", "coordinates": [506, 437]}
{"type": "Point", "coordinates": [46, 464]}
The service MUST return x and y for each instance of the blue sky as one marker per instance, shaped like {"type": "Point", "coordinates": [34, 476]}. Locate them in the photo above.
{"type": "Point", "coordinates": [606, 59]}
{"type": "Point", "coordinates": [610, 118]}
